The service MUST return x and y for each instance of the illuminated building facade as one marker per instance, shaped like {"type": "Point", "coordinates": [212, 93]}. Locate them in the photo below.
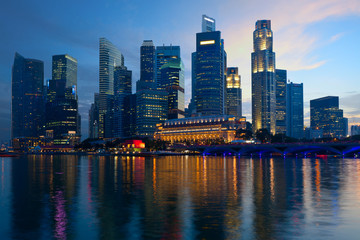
{"type": "Point", "coordinates": [109, 58]}
{"type": "Point", "coordinates": [326, 116]}
{"type": "Point", "coordinates": [163, 55]}
{"type": "Point", "coordinates": [210, 66]}
{"type": "Point", "coordinates": [280, 83]}
{"type": "Point", "coordinates": [233, 102]}
{"type": "Point", "coordinates": [172, 81]}
{"type": "Point", "coordinates": [295, 110]}
{"type": "Point", "coordinates": [62, 118]}
{"type": "Point", "coordinates": [147, 61]}
{"type": "Point", "coordinates": [263, 78]}
{"type": "Point", "coordinates": [151, 109]}
{"type": "Point", "coordinates": [200, 128]}
{"type": "Point", "coordinates": [27, 97]}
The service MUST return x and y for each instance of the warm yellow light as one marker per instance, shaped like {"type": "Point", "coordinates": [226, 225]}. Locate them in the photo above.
{"type": "Point", "coordinates": [207, 42]}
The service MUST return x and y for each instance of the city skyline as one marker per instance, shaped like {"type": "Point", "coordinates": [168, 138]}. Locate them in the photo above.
{"type": "Point", "coordinates": [319, 69]}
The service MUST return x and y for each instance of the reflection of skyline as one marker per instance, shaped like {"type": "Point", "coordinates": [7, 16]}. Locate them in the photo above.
{"type": "Point", "coordinates": [178, 197]}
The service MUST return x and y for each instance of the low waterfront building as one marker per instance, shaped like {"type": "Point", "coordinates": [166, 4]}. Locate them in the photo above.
{"type": "Point", "coordinates": [200, 128]}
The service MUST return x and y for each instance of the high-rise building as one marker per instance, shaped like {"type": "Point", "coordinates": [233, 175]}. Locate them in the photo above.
{"type": "Point", "coordinates": [62, 118]}
{"type": "Point", "coordinates": [94, 118]}
{"type": "Point", "coordinates": [280, 92]}
{"type": "Point", "coordinates": [130, 115]}
{"type": "Point", "coordinates": [295, 110]}
{"type": "Point", "coordinates": [151, 109]}
{"type": "Point", "coordinates": [163, 55]}
{"type": "Point", "coordinates": [27, 106]}
{"type": "Point", "coordinates": [172, 81]}
{"type": "Point", "coordinates": [109, 58]}
{"type": "Point", "coordinates": [209, 63]}
{"type": "Point", "coordinates": [208, 24]}
{"type": "Point", "coordinates": [355, 130]}
{"type": "Point", "coordinates": [122, 88]}
{"type": "Point", "coordinates": [263, 78]}
{"type": "Point", "coordinates": [233, 102]}
{"type": "Point", "coordinates": [326, 116]}
{"type": "Point", "coordinates": [147, 63]}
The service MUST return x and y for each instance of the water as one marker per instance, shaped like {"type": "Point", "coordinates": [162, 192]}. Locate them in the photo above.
{"type": "Point", "coordinates": [179, 197]}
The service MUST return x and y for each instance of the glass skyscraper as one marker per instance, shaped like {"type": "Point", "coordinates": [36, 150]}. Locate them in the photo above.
{"type": "Point", "coordinates": [280, 82]}
{"type": "Point", "coordinates": [163, 55]}
{"type": "Point", "coordinates": [109, 58]}
{"type": "Point", "coordinates": [27, 106]}
{"type": "Point", "coordinates": [295, 110]}
{"type": "Point", "coordinates": [209, 72]}
{"type": "Point", "coordinates": [233, 102]}
{"type": "Point", "coordinates": [147, 63]}
{"type": "Point", "coordinates": [263, 78]}
{"type": "Point", "coordinates": [62, 118]}
{"type": "Point", "coordinates": [208, 24]}
{"type": "Point", "coordinates": [122, 88]}
{"type": "Point", "coordinates": [325, 115]}
{"type": "Point", "coordinates": [172, 81]}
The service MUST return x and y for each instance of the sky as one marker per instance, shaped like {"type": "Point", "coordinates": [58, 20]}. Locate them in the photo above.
{"type": "Point", "coordinates": [316, 41]}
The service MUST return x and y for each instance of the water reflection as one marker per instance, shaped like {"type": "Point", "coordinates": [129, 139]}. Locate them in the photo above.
{"type": "Point", "coordinates": [178, 197]}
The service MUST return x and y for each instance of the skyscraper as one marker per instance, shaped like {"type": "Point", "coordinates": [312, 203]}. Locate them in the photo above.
{"type": "Point", "coordinates": [295, 110]}
{"type": "Point", "coordinates": [208, 24]}
{"type": "Point", "coordinates": [280, 83]}
{"type": "Point", "coordinates": [94, 118]}
{"type": "Point", "coordinates": [210, 67]}
{"type": "Point", "coordinates": [27, 97]}
{"type": "Point", "coordinates": [122, 88]}
{"type": "Point", "coordinates": [163, 55]}
{"type": "Point", "coordinates": [325, 115]}
{"type": "Point", "coordinates": [233, 102]}
{"type": "Point", "coordinates": [109, 58]}
{"type": "Point", "coordinates": [263, 78]}
{"type": "Point", "coordinates": [172, 81]}
{"type": "Point", "coordinates": [147, 64]}
{"type": "Point", "coordinates": [62, 118]}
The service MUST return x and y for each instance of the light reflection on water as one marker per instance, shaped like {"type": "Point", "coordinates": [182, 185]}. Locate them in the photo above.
{"type": "Point", "coordinates": [178, 197]}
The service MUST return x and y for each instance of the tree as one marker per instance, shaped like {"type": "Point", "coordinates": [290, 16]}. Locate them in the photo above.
{"type": "Point", "coordinates": [263, 135]}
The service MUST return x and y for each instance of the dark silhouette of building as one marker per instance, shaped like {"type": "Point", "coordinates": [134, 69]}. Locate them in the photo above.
{"type": "Point", "coordinates": [295, 110]}
{"type": "Point", "coordinates": [27, 106]}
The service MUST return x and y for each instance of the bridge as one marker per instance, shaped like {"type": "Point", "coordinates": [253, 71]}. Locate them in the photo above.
{"type": "Point", "coordinates": [284, 149]}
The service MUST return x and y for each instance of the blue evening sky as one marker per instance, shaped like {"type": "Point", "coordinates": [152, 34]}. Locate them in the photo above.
{"type": "Point", "coordinates": [317, 41]}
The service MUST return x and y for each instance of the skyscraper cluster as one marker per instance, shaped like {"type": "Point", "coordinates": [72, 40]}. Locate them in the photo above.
{"type": "Point", "coordinates": [51, 111]}
{"type": "Point", "coordinates": [47, 114]}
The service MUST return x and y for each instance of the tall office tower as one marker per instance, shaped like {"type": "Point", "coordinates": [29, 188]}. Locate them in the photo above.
{"type": "Point", "coordinates": [208, 24]}
{"type": "Point", "coordinates": [122, 88]}
{"type": "Point", "coordinates": [263, 78]}
{"type": "Point", "coordinates": [130, 115]}
{"type": "Point", "coordinates": [163, 55]}
{"type": "Point", "coordinates": [109, 58]}
{"type": "Point", "coordinates": [346, 127]}
{"type": "Point", "coordinates": [280, 93]}
{"type": "Point", "coordinates": [151, 109]}
{"type": "Point", "coordinates": [210, 67]}
{"type": "Point", "coordinates": [147, 66]}
{"type": "Point", "coordinates": [295, 110]}
{"type": "Point", "coordinates": [64, 67]}
{"type": "Point", "coordinates": [233, 103]}
{"type": "Point", "coordinates": [325, 115]}
{"type": "Point", "coordinates": [355, 130]}
{"type": "Point", "coordinates": [172, 80]}
{"type": "Point", "coordinates": [62, 118]}
{"type": "Point", "coordinates": [94, 118]}
{"type": "Point", "coordinates": [27, 97]}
